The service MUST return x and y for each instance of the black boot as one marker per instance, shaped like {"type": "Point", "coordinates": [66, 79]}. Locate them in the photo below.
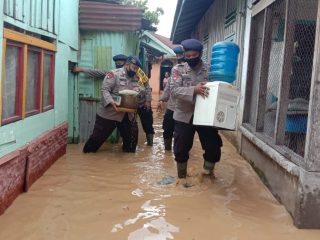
{"type": "Point", "coordinates": [149, 139]}
{"type": "Point", "coordinates": [208, 168]}
{"type": "Point", "coordinates": [182, 169]}
{"type": "Point", "coordinates": [168, 144]}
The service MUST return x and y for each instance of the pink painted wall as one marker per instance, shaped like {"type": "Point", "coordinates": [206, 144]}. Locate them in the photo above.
{"type": "Point", "coordinates": [154, 81]}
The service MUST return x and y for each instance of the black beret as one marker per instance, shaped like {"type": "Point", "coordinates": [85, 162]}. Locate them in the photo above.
{"type": "Point", "coordinates": [192, 44]}
{"type": "Point", "coordinates": [178, 50]}
{"type": "Point", "coordinates": [120, 57]}
{"type": "Point", "coordinates": [134, 60]}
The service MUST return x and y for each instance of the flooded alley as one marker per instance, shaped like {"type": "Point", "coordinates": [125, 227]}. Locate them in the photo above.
{"type": "Point", "coordinates": [112, 195]}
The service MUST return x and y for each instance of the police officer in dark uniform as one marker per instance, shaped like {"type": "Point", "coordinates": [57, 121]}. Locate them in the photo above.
{"type": "Point", "coordinates": [168, 121]}
{"type": "Point", "coordinates": [108, 116]}
{"type": "Point", "coordinates": [187, 82]}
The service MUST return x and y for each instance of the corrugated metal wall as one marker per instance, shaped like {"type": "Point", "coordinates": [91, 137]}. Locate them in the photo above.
{"type": "Point", "coordinates": [38, 14]}
{"type": "Point", "coordinates": [97, 49]}
{"type": "Point", "coordinates": [213, 25]}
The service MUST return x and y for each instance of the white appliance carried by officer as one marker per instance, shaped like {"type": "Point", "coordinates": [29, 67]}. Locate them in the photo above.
{"type": "Point", "coordinates": [219, 109]}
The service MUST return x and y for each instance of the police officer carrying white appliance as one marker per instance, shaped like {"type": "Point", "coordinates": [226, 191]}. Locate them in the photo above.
{"type": "Point", "coordinates": [168, 121]}
{"type": "Point", "coordinates": [108, 116]}
{"type": "Point", "coordinates": [187, 82]}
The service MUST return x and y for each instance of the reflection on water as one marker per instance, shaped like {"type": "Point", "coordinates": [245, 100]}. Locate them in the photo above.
{"type": "Point", "coordinates": [116, 196]}
{"type": "Point", "coordinates": [156, 226]}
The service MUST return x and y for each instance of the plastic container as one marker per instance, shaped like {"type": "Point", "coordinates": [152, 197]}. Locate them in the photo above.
{"type": "Point", "coordinates": [297, 123]}
{"type": "Point", "coordinates": [224, 62]}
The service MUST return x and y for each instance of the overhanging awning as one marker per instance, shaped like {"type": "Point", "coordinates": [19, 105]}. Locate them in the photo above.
{"type": "Point", "coordinates": [187, 16]}
{"type": "Point", "coordinates": [151, 50]}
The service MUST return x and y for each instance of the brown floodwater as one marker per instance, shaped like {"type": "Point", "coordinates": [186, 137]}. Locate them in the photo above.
{"type": "Point", "coordinates": [112, 195]}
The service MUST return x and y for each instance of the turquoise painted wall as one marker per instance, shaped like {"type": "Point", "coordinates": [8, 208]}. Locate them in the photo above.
{"type": "Point", "coordinates": [68, 27]}
{"type": "Point", "coordinates": [39, 16]}
{"type": "Point", "coordinates": [97, 50]}
{"type": "Point", "coordinates": [15, 135]}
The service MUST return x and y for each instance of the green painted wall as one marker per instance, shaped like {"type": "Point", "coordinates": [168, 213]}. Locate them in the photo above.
{"type": "Point", "coordinates": [15, 135]}
{"type": "Point", "coordinates": [69, 26]}
{"type": "Point", "coordinates": [97, 49]}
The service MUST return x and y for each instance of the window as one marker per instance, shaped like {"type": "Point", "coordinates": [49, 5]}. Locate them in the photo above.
{"type": "Point", "coordinates": [28, 76]}
{"type": "Point", "coordinates": [12, 84]}
{"type": "Point", "coordinates": [205, 43]}
{"type": "Point", "coordinates": [279, 77]}
{"type": "Point", "coordinates": [33, 81]}
{"type": "Point", "coordinates": [48, 82]}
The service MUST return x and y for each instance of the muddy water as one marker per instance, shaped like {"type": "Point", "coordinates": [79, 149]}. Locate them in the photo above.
{"type": "Point", "coordinates": [111, 195]}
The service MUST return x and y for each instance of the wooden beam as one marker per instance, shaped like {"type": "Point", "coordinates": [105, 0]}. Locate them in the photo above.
{"type": "Point", "coordinates": [248, 90]}
{"type": "Point", "coordinates": [26, 39]}
{"type": "Point", "coordinates": [284, 85]}
{"type": "Point", "coordinates": [41, 79]}
{"type": "Point", "coordinates": [260, 6]}
{"type": "Point", "coordinates": [312, 160]}
{"type": "Point", "coordinates": [4, 46]}
{"type": "Point", "coordinates": [264, 69]}
{"type": "Point", "coordinates": [24, 80]}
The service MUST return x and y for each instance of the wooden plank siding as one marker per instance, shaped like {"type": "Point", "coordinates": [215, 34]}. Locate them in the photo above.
{"type": "Point", "coordinates": [32, 15]}
{"type": "Point", "coordinates": [264, 69]}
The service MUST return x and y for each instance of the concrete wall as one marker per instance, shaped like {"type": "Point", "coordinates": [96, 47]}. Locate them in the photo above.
{"type": "Point", "coordinates": [299, 192]}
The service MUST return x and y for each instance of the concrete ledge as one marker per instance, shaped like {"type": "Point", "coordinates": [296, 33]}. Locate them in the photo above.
{"type": "Point", "coordinates": [307, 213]}
{"type": "Point", "coordinates": [270, 152]}
{"type": "Point", "coordinates": [298, 190]}
{"type": "Point", "coordinates": [283, 185]}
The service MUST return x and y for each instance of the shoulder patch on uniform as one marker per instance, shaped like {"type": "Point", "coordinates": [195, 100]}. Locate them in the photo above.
{"type": "Point", "coordinates": [109, 75]}
{"type": "Point", "coordinates": [175, 74]}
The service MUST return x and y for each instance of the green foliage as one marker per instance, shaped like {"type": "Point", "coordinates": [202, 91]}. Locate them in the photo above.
{"type": "Point", "coordinates": [152, 16]}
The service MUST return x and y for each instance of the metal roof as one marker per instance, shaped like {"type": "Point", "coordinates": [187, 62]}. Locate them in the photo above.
{"type": "Point", "coordinates": [151, 50]}
{"type": "Point", "coordinates": [187, 16]}
{"type": "Point", "coordinates": [102, 16]}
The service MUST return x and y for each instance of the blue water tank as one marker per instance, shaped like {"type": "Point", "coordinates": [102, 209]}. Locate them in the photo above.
{"type": "Point", "coordinates": [224, 62]}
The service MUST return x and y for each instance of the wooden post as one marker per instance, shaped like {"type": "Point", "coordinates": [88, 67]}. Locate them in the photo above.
{"type": "Point", "coordinates": [284, 86]}
{"type": "Point", "coordinates": [312, 149]}
{"type": "Point", "coordinates": [24, 80]}
{"type": "Point", "coordinates": [248, 91]}
{"type": "Point", "coordinates": [264, 69]}
{"type": "Point", "coordinates": [4, 46]}
{"type": "Point", "coordinates": [41, 80]}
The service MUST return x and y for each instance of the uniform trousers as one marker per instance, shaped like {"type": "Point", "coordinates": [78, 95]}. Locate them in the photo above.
{"type": "Point", "coordinates": [103, 128]}
{"type": "Point", "coordinates": [168, 124]}
{"type": "Point", "coordinates": [183, 140]}
{"type": "Point", "coordinates": [146, 117]}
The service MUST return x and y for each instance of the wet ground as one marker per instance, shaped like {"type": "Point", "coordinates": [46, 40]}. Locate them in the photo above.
{"type": "Point", "coordinates": [112, 195]}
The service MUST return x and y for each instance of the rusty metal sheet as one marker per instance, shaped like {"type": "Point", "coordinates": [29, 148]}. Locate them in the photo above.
{"type": "Point", "coordinates": [109, 17]}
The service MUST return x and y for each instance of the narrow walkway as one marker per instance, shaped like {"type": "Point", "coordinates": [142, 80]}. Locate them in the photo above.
{"type": "Point", "coordinates": [112, 195]}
